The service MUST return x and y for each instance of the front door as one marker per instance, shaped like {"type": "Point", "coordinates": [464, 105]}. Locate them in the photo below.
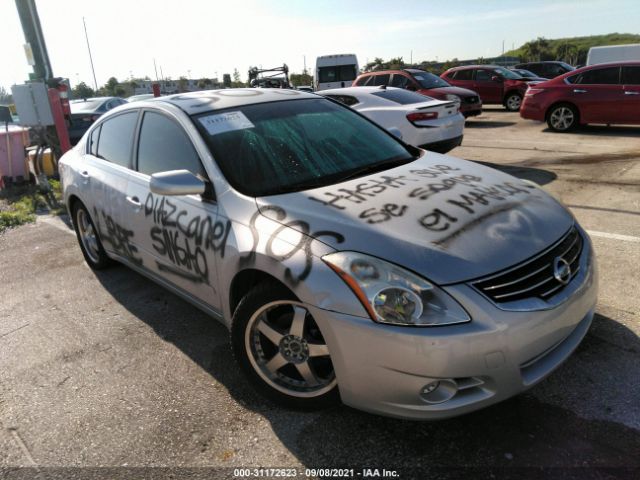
{"type": "Point", "coordinates": [178, 236]}
{"type": "Point", "coordinates": [488, 85]}
{"type": "Point", "coordinates": [631, 91]}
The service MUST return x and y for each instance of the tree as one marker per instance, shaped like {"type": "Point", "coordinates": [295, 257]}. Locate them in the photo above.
{"type": "Point", "coordinates": [82, 90]}
{"type": "Point", "coordinates": [298, 79]}
{"type": "Point", "coordinates": [111, 85]}
{"type": "Point", "coordinates": [237, 81]}
{"type": "Point", "coordinates": [182, 84]}
{"type": "Point", "coordinates": [395, 64]}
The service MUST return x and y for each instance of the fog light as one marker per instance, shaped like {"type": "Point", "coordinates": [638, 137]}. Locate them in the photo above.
{"type": "Point", "coordinates": [439, 391]}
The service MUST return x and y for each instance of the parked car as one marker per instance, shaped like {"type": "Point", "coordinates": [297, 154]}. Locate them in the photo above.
{"type": "Point", "coordinates": [424, 83]}
{"type": "Point", "coordinates": [346, 263]}
{"type": "Point", "coordinates": [607, 93]}
{"type": "Point", "coordinates": [527, 75]}
{"type": "Point", "coordinates": [494, 84]}
{"type": "Point", "coordinates": [614, 53]}
{"type": "Point", "coordinates": [420, 121]}
{"type": "Point", "coordinates": [336, 71]}
{"type": "Point", "coordinates": [86, 111]}
{"type": "Point", "coordinates": [142, 96]}
{"type": "Point", "coordinates": [550, 69]}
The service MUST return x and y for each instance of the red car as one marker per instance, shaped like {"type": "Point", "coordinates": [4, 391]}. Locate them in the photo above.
{"type": "Point", "coordinates": [605, 93]}
{"type": "Point", "coordinates": [424, 83]}
{"type": "Point", "coordinates": [494, 84]}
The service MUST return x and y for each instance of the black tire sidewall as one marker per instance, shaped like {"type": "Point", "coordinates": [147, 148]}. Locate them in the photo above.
{"type": "Point", "coordinates": [563, 105]}
{"type": "Point", "coordinates": [258, 297]}
{"type": "Point", "coordinates": [506, 101]}
{"type": "Point", "coordinates": [103, 259]}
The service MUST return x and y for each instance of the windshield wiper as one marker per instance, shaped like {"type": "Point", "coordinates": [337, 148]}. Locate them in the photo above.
{"type": "Point", "coordinates": [376, 167]}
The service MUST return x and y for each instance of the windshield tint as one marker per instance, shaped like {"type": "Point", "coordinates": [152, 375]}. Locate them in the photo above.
{"type": "Point", "coordinates": [286, 146]}
{"type": "Point", "coordinates": [507, 73]}
{"type": "Point", "coordinates": [429, 80]}
{"type": "Point", "coordinates": [89, 105]}
{"type": "Point", "coordinates": [403, 97]}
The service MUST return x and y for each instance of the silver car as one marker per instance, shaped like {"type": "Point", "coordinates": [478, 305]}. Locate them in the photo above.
{"type": "Point", "coordinates": [346, 264]}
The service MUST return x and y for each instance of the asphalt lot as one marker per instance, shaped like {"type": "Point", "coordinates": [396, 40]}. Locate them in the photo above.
{"type": "Point", "coordinates": [109, 370]}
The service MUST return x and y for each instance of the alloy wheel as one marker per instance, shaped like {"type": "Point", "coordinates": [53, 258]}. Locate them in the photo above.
{"type": "Point", "coordinates": [88, 235]}
{"type": "Point", "coordinates": [513, 103]}
{"type": "Point", "coordinates": [287, 350]}
{"type": "Point", "coordinates": [562, 118]}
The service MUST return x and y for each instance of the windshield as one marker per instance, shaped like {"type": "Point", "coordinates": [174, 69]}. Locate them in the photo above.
{"type": "Point", "coordinates": [507, 73]}
{"type": "Point", "coordinates": [429, 80]}
{"type": "Point", "coordinates": [525, 73]}
{"type": "Point", "coordinates": [278, 147]}
{"type": "Point", "coordinates": [85, 106]}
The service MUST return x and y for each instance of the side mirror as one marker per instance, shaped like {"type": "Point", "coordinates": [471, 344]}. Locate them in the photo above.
{"type": "Point", "coordinates": [412, 87]}
{"type": "Point", "coordinates": [395, 132]}
{"type": "Point", "coordinates": [176, 182]}
{"type": "Point", "coordinates": [496, 78]}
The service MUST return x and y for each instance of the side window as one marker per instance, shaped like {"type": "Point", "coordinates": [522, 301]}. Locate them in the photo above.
{"type": "Point", "coordinates": [381, 79]}
{"type": "Point", "coordinates": [116, 138]}
{"type": "Point", "coordinates": [483, 76]}
{"type": "Point", "coordinates": [366, 81]}
{"type": "Point", "coordinates": [463, 75]}
{"type": "Point", "coordinates": [399, 81]}
{"type": "Point", "coordinates": [601, 76]}
{"type": "Point", "coordinates": [553, 70]}
{"type": "Point", "coordinates": [93, 141]}
{"type": "Point", "coordinates": [164, 146]}
{"type": "Point", "coordinates": [344, 99]}
{"type": "Point", "coordinates": [631, 75]}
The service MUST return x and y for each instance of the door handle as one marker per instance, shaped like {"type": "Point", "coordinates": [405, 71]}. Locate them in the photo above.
{"type": "Point", "coordinates": [577, 90]}
{"type": "Point", "coordinates": [135, 202]}
{"type": "Point", "coordinates": [631, 93]}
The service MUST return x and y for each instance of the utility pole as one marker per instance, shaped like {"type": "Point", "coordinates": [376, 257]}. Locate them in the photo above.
{"type": "Point", "coordinates": [155, 68]}
{"type": "Point", "coordinates": [95, 82]}
{"type": "Point", "coordinates": [35, 39]}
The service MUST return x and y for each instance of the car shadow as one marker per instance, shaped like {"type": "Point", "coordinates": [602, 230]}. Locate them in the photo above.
{"type": "Point", "coordinates": [521, 436]}
{"type": "Point", "coordinates": [479, 123]}
{"type": "Point", "coordinates": [536, 175]}
{"type": "Point", "coordinates": [603, 131]}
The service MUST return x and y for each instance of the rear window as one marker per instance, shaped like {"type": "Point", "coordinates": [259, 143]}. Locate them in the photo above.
{"type": "Point", "coordinates": [402, 97]}
{"type": "Point", "coordinates": [462, 75]}
{"type": "Point", "coordinates": [599, 76]}
{"type": "Point", "coordinates": [341, 73]}
{"type": "Point", "coordinates": [88, 106]}
{"type": "Point", "coordinates": [116, 138]}
{"type": "Point", "coordinates": [380, 80]}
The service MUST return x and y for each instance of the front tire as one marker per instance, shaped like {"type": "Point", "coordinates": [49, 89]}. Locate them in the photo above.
{"type": "Point", "coordinates": [562, 117]}
{"type": "Point", "coordinates": [513, 101]}
{"type": "Point", "coordinates": [281, 351]}
{"type": "Point", "coordinates": [88, 238]}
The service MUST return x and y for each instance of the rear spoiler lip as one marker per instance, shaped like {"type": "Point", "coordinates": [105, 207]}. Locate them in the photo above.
{"type": "Point", "coordinates": [443, 105]}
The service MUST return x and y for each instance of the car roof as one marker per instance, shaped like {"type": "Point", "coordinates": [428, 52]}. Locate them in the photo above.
{"type": "Point", "coordinates": [91, 99]}
{"type": "Point", "coordinates": [464, 67]}
{"type": "Point", "coordinates": [208, 100]}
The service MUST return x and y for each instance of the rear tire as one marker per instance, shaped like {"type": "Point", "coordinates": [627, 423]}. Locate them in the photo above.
{"type": "Point", "coordinates": [562, 117]}
{"type": "Point", "coordinates": [88, 238]}
{"type": "Point", "coordinates": [513, 101]}
{"type": "Point", "coordinates": [281, 351]}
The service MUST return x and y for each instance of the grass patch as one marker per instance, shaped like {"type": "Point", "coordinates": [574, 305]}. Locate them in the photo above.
{"type": "Point", "coordinates": [19, 204]}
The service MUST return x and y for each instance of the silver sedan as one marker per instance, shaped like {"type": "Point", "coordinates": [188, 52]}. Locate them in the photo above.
{"type": "Point", "coordinates": [347, 264]}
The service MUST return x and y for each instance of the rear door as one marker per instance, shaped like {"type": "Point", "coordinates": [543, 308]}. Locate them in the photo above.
{"type": "Point", "coordinates": [176, 235]}
{"type": "Point", "coordinates": [599, 95]}
{"type": "Point", "coordinates": [104, 175]}
{"type": "Point", "coordinates": [489, 90]}
{"type": "Point", "coordinates": [462, 78]}
{"type": "Point", "coordinates": [631, 92]}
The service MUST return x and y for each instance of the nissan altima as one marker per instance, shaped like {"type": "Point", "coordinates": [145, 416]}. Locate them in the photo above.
{"type": "Point", "coordinates": [347, 265]}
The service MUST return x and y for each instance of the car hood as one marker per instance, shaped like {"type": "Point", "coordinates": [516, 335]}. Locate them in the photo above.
{"type": "Point", "coordinates": [447, 219]}
{"type": "Point", "coordinates": [461, 92]}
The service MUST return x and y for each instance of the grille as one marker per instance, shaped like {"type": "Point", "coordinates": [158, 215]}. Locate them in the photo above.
{"type": "Point", "coordinates": [472, 99]}
{"type": "Point", "coordinates": [535, 277]}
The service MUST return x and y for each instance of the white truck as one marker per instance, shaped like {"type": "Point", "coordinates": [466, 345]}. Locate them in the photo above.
{"type": "Point", "coordinates": [613, 53]}
{"type": "Point", "coordinates": [336, 71]}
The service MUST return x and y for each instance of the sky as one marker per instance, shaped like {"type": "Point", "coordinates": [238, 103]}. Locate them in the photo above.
{"type": "Point", "coordinates": [198, 38]}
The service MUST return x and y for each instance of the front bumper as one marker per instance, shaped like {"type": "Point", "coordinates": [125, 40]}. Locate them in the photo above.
{"type": "Point", "coordinates": [384, 369]}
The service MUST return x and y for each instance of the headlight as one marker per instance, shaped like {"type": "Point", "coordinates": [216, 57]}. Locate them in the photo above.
{"type": "Point", "coordinates": [391, 294]}
{"type": "Point", "coordinates": [453, 98]}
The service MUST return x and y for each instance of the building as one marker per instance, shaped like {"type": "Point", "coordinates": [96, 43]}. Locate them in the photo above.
{"type": "Point", "coordinates": [167, 87]}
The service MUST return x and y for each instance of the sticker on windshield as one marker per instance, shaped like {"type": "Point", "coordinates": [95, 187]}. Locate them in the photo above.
{"type": "Point", "coordinates": [225, 122]}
